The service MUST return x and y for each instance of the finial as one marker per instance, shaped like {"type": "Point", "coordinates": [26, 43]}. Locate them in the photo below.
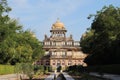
{"type": "Point", "coordinates": [71, 36]}
{"type": "Point", "coordinates": [58, 20]}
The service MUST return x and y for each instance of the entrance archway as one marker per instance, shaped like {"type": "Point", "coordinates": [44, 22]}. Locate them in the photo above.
{"type": "Point", "coordinates": [59, 67]}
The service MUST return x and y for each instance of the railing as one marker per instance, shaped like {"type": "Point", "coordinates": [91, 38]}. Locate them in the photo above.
{"type": "Point", "coordinates": [64, 46]}
{"type": "Point", "coordinates": [62, 56]}
{"type": "Point", "coordinates": [73, 44]}
{"type": "Point", "coordinates": [55, 56]}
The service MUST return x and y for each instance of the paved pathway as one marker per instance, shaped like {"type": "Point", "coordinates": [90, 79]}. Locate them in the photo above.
{"type": "Point", "coordinates": [109, 76]}
{"type": "Point", "coordinates": [68, 77]}
{"type": "Point", "coordinates": [8, 77]}
{"type": "Point", "coordinates": [50, 77]}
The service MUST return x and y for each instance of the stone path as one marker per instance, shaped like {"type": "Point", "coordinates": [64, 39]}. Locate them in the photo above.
{"type": "Point", "coordinates": [8, 77]}
{"type": "Point", "coordinates": [68, 77]}
{"type": "Point", "coordinates": [109, 76]}
{"type": "Point", "coordinates": [51, 77]}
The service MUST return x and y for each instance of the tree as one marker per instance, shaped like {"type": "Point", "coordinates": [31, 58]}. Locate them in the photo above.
{"type": "Point", "coordinates": [16, 45]}
{"type": "Point", "coordinates": [8, 30]}
{"type": "Point", "coordinates": [87, 40]}
{"type": "Point", "coordinates": [28, 48]}
{"type": "Point", "coordinates": [101, 45]}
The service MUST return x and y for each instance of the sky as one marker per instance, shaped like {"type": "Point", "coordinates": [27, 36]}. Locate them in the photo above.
{"type": "Point", "coordinates": [39, 15]}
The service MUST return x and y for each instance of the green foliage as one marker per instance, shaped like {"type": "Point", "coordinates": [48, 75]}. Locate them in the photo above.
{"type": "Point", "coordinates": [75, 69]}
{"type": "Point", "coordinates": [50, 69]}
{"type": "Point", "coordinates": [16, 45]}
{"type": "Point", "coordinates": [4, 10]}
{"type": "Point", "coordinates": [30, 70]}
{"type": "Point", "coordinates": [102, 40]}
{"type": "Point", "coordinates": [6, 69]}
{"type": "Point", "coordinates": [39, 70]}
{"type": "Point", "coordinates": [111, 69]}
{"type": "Point", "coordinates": [87, 41]}
{"type": "Point", "coordinates": [25, 68]}
{"type": "Point", "coordinates": [46, 69]}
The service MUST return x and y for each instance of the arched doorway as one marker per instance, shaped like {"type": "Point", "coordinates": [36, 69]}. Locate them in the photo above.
{"type": "Point", "coordinates": [59, 67]}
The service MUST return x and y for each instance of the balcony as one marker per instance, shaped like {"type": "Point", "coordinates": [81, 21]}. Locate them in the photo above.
{"type": "Point", "coordinates": [62, 46]}
{"type": "Point", "coordinates": [62, 56]}
{"type": "Point", "coordinates": [56, 56]}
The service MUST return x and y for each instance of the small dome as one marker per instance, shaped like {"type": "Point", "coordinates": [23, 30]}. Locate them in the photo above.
{"type": "Point", "coordinates": [58, 25]}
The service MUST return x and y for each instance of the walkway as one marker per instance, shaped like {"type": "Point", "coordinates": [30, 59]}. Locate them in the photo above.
{"type": "Point", "coordinates": [51, 77]}
{"type": "Point", "coordinates": [109, 76]}
{"type": "Point", "coordinates": [8, 77]}
{"type": "Point", "coordinates": [68, 77]}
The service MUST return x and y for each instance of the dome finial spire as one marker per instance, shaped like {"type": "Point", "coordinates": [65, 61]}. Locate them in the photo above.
{"type": "Point", "coordinates": [58, 25]}
{"type": "Point", "coordinates": [58, 20]}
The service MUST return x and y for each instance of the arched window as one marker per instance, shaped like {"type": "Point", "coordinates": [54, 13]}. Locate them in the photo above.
{"type": "Point", "coordinates": [63, 62]}
{"type": "Point", "coordinates": [53, 63]}
{"type": "Point", "coordinates": [58, 63]}
{"type": "Point", "coordinates": [69, 62]}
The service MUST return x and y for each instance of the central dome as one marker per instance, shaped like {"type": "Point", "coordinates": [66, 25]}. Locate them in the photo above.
{"type": "Point", "coordinates": [58, 25]}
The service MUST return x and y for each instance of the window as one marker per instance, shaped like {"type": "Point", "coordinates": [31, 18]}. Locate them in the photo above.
{"type": "Point", "coordinates": [53, 53]}
{"type": "Point", "coordinates": [53, 43]}
{"type": "Point", "coordinates": [69, 43]}
{"type": "Point", "coordinates": [58, 43]}
{"type": "Point", "coordinates": [53, 63]}
{"type": "Point", "coordinates": [63, 43]}
{"type": "Point", "coordinates": [63, 53]}
{"type": "Point", "coordinates": [47, 43]}
{"type": "Point", "coordinates": [58, 63]}
{"type": "Point", "coordinates": [76, 43]}
{"type": "Point", "coordinates": [70, 63]}
{"type": "Point", "coordinates": [63, 63]}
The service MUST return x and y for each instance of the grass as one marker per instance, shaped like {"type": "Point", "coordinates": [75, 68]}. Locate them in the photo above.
{"type": "Point", "coordinates": [6, 69]}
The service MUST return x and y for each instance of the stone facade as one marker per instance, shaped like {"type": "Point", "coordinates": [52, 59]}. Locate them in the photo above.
{"type": "Point", "coordinates": [61, 50]}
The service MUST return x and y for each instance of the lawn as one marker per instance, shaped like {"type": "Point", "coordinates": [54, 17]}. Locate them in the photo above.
{"type": "Point", "coordinates": [6, 69]}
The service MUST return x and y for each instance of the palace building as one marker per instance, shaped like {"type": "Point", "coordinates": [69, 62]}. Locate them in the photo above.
{"type": "Point", "coordinates": [61, 50]}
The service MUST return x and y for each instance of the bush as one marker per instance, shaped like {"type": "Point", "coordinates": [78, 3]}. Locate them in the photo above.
{"type": "Point", "coordinates": [112, 69]}
{"type": "Point", "coordinates": [76, 69]}
{"type": "Point", "coordinates": [25, 68]}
